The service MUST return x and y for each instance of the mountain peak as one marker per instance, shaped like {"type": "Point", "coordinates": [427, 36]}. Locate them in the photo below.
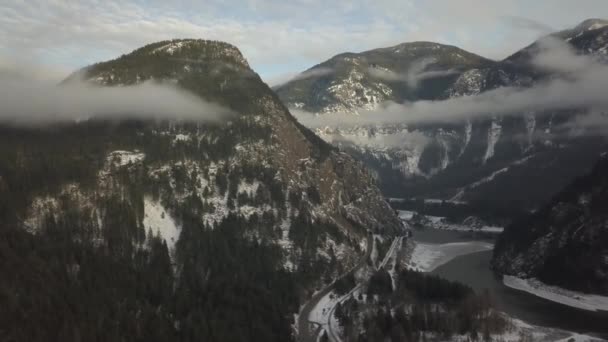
{"type": "Point", "coordinates": [194, 49]}
{"type": "Point", "coordinates": [350, 81]}
{"type": "Point", "coordinates": [165, 59]}
{"type": "Point", "coordinates": [214, 70]}
{"type": "Point", "coordinates": [591, 24]}
{"type": "Point", "coordinates": [421, 45]}
{"type": "Point", "coordinates": [585, 28]}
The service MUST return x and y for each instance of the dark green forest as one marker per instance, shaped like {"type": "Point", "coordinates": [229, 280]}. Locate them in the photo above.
{"type": "Point", "coordinates": [421, 306]}
{"type": "Point", "coordinates": [95, 274]}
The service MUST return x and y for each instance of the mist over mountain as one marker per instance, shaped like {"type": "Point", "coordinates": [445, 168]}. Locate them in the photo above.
{"type": "Point", "coordinates": [487, 124]}
{"type": "Point", "coordinates": [452, 187]}
{"type": "Point", "coordinates": [156, 204]}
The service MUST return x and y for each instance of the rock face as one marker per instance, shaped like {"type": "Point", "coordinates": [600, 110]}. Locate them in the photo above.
{"type": "Point", "coordinates": [566, 242]}
{"type": "Point", "coordinates": [225, 201]}
{"type": "Point", "coordinates": [467, 160]}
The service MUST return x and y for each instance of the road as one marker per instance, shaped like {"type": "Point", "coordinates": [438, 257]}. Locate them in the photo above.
{"type": "Point", "coordinates": [304, 326]}
{"type": "Point", "coordinates": [305, 333]}
{"type": "Point", "coordinates": [332, 334]}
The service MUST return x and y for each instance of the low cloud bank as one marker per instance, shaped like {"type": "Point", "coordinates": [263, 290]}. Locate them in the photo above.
{"type": "Point", "coordinates": [414, 75]}
{"type": "Point", "coordinates": [27, 102]}
{"type": "Point", "coordinates": [315, 72]}
{"type": "Point", "coordinates": [579, 82]}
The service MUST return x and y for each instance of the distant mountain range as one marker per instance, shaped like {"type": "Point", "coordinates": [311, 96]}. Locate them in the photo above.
{"type": "Point", "coordinates": [517, 161]}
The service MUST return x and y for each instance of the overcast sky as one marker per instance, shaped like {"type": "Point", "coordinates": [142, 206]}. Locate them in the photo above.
{"type": "Point", "coordinates": [278, 37]}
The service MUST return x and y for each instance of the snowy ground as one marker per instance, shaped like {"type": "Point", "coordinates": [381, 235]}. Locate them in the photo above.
{"type": "Point", "coordinates": [405, 214]}
{"type": "Point", "coordinates": [438, 222]}
{"type": "Point", "coordinates": [158, 220]}
{"type": "Point", "coordinates": [320, 313]}
{"type": "Point", "coordinates": [123, 158]}
{"type": "Point", "coordinates": [556, 294]}
{"type": "Point", "coordinates": [522, 331]}
{"type": "Point", "coordinates": [426, 200]}
{"type": "Point", "coordinates": [427, 257]}
{"type": "Point", "coordinates": [463, 228]}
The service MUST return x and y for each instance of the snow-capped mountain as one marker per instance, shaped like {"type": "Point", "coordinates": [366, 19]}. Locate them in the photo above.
{"type": "Point", "coordinates": [176, 217]}
{"type": "Point", "coordinates": [353, 81]}
{"type": "Point", "coordinates": [471, 160]}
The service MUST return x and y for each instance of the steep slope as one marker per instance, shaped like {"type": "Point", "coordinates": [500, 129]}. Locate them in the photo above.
{"type": "Point", "coordinates": [566, 242]}
{"type": "Point", "coordinates": [463, 161]}
{"type": "Point", "coordinates": [223, 222]}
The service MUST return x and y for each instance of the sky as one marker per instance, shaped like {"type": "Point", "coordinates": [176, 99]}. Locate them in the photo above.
{"type": "Point", "coordinates": [279, 38]}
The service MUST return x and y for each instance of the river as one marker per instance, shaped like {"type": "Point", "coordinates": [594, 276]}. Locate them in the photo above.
{"type": "Point", "coordinates": [474, 270]}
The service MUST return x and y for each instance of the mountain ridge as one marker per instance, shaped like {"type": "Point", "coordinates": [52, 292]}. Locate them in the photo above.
{"type": "Point", "coordinates": [495, 147]}
{"type": "Point", "coordinates": [563, 243]}
{"type": "Point", "coordinates": [177, 221]}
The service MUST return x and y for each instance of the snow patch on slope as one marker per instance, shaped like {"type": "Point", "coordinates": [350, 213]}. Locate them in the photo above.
{"type": "Point", "coordinates": [459, 196]}
{"type": "Point", "coordinates": [124, 158]}
{"type": "Point", "coordinates": [556, 294]}
{"type": "Point", "coordinates": [468, 133]}
{"type": "Point", "coordinates": [469, 83]}
{"type": "Point", "coordinates": [170, 48]}
{"type": "Point", "coordinates": [158, 220]}
{"type": "Point", "coordinates": [493, 135]}
{"type": "Point", "coordinates": [248, 188]}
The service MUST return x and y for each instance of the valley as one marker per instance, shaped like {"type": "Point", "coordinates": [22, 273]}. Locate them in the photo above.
{"type": "Point", "coordinates": [473, 269]}
{"type": "Point", "coordinates": [419, 143]}
{"type": "Point", "coordinates": [435, 175]}
{"type": "Point", "coordinates": [460, 255]}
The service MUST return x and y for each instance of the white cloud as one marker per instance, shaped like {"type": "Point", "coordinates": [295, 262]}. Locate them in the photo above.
{"type": "Point", "coordinates": [580, 85]}
{"type": "Point", "coordinates": [30, 102]}
{"type": "Point", "coordinates": [316, 72]}
{"type": "Point", "coordinates": [529, 24]}
{"type": "Point", "coordinates": [416, 73]}
{"type": "Point", "coordinates": [275, 34]}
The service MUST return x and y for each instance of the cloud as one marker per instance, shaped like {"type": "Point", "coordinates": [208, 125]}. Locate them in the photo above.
{"type": "Point", "coordinates": [400, 139]}
{"type": "Point", "coordinates": [589, 124]}
{"type": "Point", "coordinates": [27, 102]}
{"type": "Point", "coordinates": [415, 74]}
{"type": "Point", "coordinates": [276, 36]}
{"type": "Point", "coordinates": [579, 84]}
{"type": "Point", "coordinates": [314, 72]}
{"type": "Point", "coordinates": [12, 69]}
{"type": "Point", "coordinates": [528, 24]}
{"type": "Point", "coordinates": [557, 56]}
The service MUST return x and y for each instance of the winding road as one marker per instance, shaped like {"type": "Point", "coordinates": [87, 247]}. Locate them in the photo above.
{"type": "Point", "coordinates": [333, 335]}
{"type": "Point", "coordinates": [304, 325]}
{"type": "Point", "coordinates": [305, 333]}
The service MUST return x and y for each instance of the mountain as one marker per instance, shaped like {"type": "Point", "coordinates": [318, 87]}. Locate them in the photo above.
{"type": "Point", "coordinates": [350, 82]}
{"type": "Point", "coordinates": [525, 157]}
{"type": "Point", "coordinates": [167, 229]}
{"type": "Point", "coordinates": [587, 37]}
{"type": "Point", "coordinates": [565, 243]}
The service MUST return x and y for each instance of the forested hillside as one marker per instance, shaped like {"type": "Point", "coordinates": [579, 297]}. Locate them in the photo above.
{"type": "Point", "coordinates": [565, 243]}
{"type": "Point", "coordinates": [164, 229]}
